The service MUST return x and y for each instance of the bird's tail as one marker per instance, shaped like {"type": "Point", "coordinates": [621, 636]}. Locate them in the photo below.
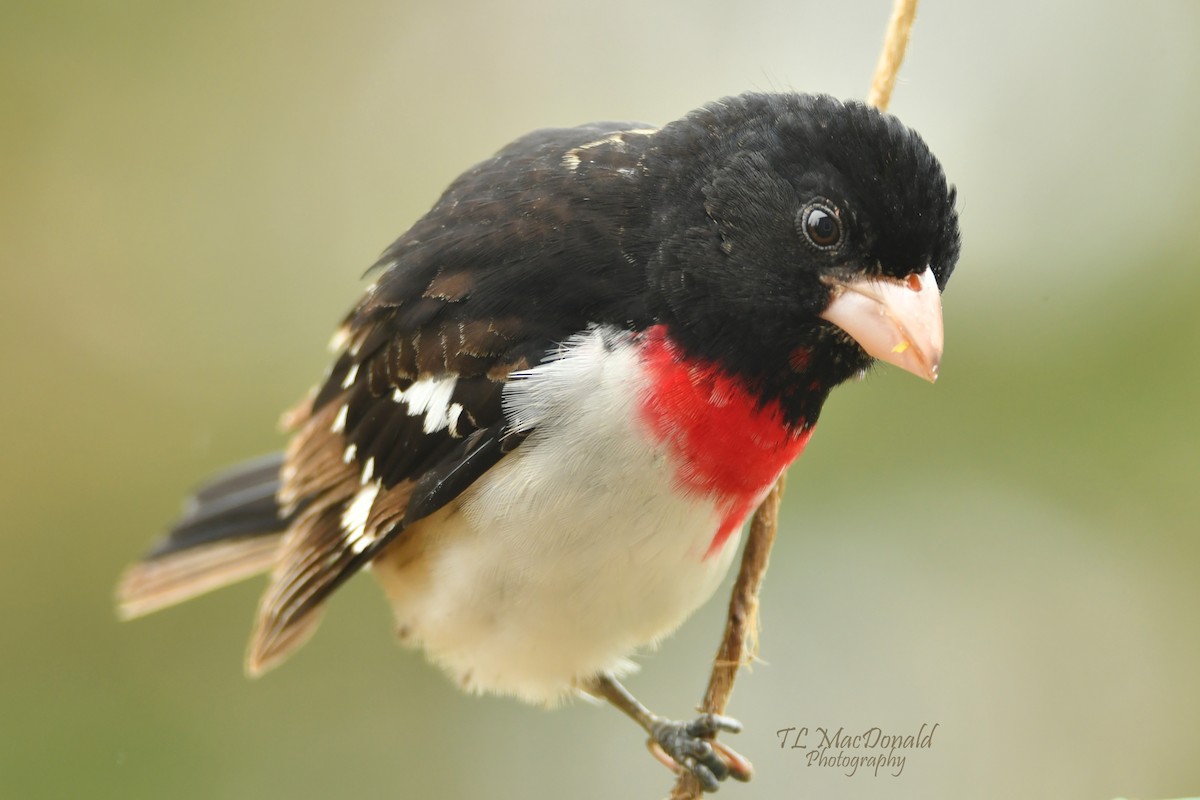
{"type": "Point", "coordinates": [230, 531]}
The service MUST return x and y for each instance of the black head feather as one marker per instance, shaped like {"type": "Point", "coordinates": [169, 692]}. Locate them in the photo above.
{"type": "Point", "coordinates": [734, 274]}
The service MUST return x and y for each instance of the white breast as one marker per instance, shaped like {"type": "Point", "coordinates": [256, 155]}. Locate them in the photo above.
{"type": "Point", "coordinates": [572, 552]}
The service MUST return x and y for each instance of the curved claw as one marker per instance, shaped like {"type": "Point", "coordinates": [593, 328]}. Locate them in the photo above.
{"type": "Point", "coordinates": [690, 746]}
{"type": "Point", "coordinates": [740, 768]}
{"type": "Point", "coordinates": [662, 756]}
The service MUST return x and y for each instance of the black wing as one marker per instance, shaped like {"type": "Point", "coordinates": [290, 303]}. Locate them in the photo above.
{"type": "Point", "coordinates": [520, 252]}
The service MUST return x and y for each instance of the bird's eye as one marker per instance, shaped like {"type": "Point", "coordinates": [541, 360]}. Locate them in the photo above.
{"type": "Point", "coordinates": [821, 226]}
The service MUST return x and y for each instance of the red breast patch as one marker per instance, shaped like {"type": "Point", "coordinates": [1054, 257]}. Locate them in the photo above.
{"type": "Point", "coordinates": [726, 445]}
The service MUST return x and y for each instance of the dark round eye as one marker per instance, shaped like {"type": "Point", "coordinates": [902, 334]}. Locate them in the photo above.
{"type": "Point", "coordinates": [821, 226]}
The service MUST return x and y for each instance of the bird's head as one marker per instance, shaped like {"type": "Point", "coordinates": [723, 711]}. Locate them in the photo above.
{"type": "Point", "coordinates": [805, 237]}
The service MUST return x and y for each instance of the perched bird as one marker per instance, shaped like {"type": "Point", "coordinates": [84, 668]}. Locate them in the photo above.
{"type": "Point", "coordinates": [569, 385]}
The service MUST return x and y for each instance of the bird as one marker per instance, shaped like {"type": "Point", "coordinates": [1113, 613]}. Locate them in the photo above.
{"type": "Point", "coordinates": [568, 386]}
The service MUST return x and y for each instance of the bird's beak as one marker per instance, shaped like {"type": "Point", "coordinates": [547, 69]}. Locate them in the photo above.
{"type": "Point", "coordinates": [895, 320]}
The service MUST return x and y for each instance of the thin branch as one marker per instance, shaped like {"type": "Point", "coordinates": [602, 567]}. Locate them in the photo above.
{"type": "Point", "coordinates": [894, 45]}
{"type": "Point", "coordinates": [739, 644]}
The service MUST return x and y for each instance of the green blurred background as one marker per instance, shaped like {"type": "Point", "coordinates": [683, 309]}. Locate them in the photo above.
{"type": "Point", "coordinates": [189, 193]}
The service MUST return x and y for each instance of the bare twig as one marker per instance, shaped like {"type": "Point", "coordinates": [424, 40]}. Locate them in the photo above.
{"type": "Point", "coordinates": [894, 45]}
{"type": "Point", "coordinates": [739, 644]}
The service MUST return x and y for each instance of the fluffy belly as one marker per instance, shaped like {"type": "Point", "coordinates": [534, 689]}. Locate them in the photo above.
{"type": "Point", "coordinates": [530, 602]}
{"type": "Point", "coordinates": [589, 541]}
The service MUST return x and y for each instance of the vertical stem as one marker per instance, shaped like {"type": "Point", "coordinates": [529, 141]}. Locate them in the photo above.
{"type": "Point", "coordinates": [894, 44]}
{"type": "Point", "coordinates": [739, 644]}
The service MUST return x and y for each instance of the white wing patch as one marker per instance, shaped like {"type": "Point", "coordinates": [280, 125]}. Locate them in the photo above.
{"type": "Point", "coordinates": [354, 518]}
{"type": "Point", "coordinates": [339, 422]}
{"type": "Point", "coordinates": [431, 397]}
{"type": "Point", "coordinates": [456, 410]}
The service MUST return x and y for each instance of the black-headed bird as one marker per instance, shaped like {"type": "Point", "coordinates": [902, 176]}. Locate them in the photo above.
{"type": "Point", "coordinates": [572, 381]}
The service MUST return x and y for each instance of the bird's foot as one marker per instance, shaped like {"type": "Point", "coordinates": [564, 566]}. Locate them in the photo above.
{"type": "Point", "coordinates": [690, 746]}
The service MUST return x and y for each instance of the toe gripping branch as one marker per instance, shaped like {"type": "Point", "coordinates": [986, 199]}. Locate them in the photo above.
{"type": "Point", "coordinates": [681, 746]}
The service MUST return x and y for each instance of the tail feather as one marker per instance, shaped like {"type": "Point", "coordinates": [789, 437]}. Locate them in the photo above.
{"type": "Point", "coordinates": [164, 581]}
{"type": "Point", "coordinates": [230, 531]}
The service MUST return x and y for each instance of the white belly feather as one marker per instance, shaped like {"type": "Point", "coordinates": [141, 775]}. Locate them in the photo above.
{"type": "Point", "coordinates": [576, 549]}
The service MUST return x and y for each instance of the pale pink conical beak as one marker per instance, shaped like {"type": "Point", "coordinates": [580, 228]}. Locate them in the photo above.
{"type": "Point", "coordinates": [895, 320]}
